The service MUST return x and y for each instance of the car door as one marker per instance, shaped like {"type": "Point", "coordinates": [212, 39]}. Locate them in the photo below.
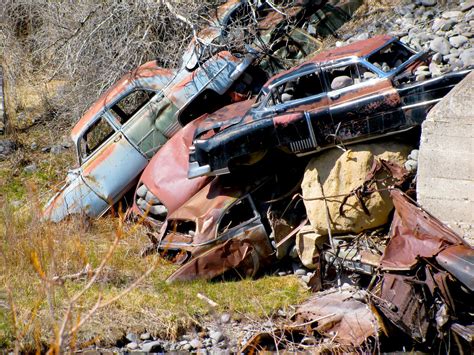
{"type": "Point", "coordinates": [362, 104]}
{"type": "Point", "coordinates": [301, 109]}
{"type": "Point", "coordinates": [145, 117]}
{"type": "Point", "coordinates": [110, 163]}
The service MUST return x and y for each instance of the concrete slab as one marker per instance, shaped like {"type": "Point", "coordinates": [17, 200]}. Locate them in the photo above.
{"type": "Point", "coordinates": [445, 181]}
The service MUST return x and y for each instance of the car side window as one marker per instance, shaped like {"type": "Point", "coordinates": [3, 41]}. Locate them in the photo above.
{"type": "Point", "coordinates": [348, 75]}
{"type": "Point", "coordinates": [239, 213]}
{"type": "Point", "coordinates": [97, 134]}
{"type": "Point", "coordinates": [299, 88]}
{"type": "Point", "coordinates": [128, 106]}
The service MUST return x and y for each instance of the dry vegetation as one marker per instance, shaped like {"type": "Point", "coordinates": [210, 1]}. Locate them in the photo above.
{"type": "Point", "coordinates": [43, 301]}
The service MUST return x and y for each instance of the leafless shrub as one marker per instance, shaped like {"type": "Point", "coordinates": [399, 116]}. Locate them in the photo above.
{"type": "Point", "coordinates": [90, 44]}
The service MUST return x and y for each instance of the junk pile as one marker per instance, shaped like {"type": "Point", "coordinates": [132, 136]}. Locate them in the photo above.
{"type": "Point", "coordinates": [218, 152]}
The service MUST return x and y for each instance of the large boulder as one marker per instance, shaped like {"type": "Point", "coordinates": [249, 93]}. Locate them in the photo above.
{"type": "Point", "coordinates": [339, 173]}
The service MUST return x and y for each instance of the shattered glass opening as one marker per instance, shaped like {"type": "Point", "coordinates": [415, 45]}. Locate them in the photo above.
{"type": "Point", "coordinates": [131, 104]}
{"type": "Point", "coordinates": [390, 56]}
{"type": "Point", "coordinates": [97, 134]}
{"type": "Point", "coordinates": [241, 212]}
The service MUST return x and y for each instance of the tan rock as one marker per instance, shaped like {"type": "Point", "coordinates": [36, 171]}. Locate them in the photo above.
{"type": "Point", "coordinates": [308, 244]}
{"type": "Point", "coordinates": [341, 172]}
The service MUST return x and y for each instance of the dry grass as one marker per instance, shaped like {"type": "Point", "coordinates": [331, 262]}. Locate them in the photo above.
{"type": "Point", "coordinates": [32, 252]}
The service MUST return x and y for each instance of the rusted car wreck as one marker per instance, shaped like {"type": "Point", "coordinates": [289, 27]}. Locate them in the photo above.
{"type": "Point", "coordinates": [350, 94]}
{"type": "Point", "coordinates": [129, 123]}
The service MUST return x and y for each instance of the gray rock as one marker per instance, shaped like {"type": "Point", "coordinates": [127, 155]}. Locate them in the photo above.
{"type": "Point", "coordinates": [451, 14]}
{"type": "Point", "coordinates": [132, 346]}
{"type": "Point", "coordinates": [29, 169]}
{"type": "Point", "coordinates": [151, 199]}
{"type": "Point", "coordinates": [435, 70]}
{"type": "Point", "coordinates": [195, 344]}
{"type": "Point", "coordinates": [57, 149]}
{"type": "Point", "coordinates": [440, 45]}
{"type": "Point", "coordinates": [34, 146]}
{"type": "Point", "coordinates": [186, 347]}
{"type": "Point", "coordinates": [281, 273]}
{"type": "Point", "coordinates": [411, 165]}
{"type": "Point", "coordinates": [207, 342]}
{"type": "Point", "coordinates": [440, 24]}
{"type": "Point", "coordinates": [300, 272]}
{"type": "Point", "coordinates": [428, 2]}
{"type": "Point", "coordinates": [158, 210]}
{"type": "Point", "coordinates": [145, 336]}
{"type": "Point", "coordinates": [414, 154]}
{"type": "Point", "coordinates": [458, 41]}
{"type": "Point", "coordinates": [152, 346]}
{"type": "Point", "coordinates": [132, 337]}
{"type": "Point", "coordinates": [306, 278]}
{"type": "Point", "coordinates": [225, 317]}
{"type": "Point", "coordinates": [467, 57]}
{"type": "Point", "coordinates": [216, 336]}
{"type": "Point", "coordinates": [7, 147]}
{"type": "Point", "coordinates": [437, 58]}
{"type": "Point", "coordinates": [466, 6]}
{"type": "Point", "coordinates": [141, 191]}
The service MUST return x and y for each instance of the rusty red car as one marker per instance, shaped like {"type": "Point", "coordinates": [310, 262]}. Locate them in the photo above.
{"type": "Point", "coordinates": [349, 94]}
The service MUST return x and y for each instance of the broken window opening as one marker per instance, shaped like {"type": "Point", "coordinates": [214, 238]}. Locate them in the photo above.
{"type": "Point", "coordinates": [240, 212]}
{"type": "Point", "coordinates": [390, 57]}
{"type": "Point", "coordinates": [128, 106]}
{"type": "Point", "coordinates": [295, 89]}
{"type": "Point", "coordinates": [348, 75]}
{"type": "Point", "coordinates": [97, 134]}
{"type": "Point", "coordinates": [182, 227]}
{"type": "Point", "coordinates": [206, 102]}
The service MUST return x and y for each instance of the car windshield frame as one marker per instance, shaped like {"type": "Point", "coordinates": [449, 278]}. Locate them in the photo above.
{"type": "Point", "coordinates": [393, 70]}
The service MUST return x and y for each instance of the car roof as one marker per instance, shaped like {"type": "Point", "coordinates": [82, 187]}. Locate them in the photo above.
{"type": "Point", "coordinates": [357, 49]}
{"type": "Point", "coordinates": [148, 76]}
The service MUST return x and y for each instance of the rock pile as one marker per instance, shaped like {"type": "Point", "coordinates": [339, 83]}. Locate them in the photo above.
{"type": "Point", "coordinates": [445, 27]}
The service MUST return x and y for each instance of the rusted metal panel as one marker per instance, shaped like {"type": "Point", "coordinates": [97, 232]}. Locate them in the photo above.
{"type": "Point", "coordinates": [340, 315]}
{"type": "Point", "coordinates": [414, 234]}
{"type": "Point", "coordinates": [246, 254]}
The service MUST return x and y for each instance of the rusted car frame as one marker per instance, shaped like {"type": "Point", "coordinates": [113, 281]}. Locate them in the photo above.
{"type": "Point", "coordinates": [217, 230]}
{"type": "Point", "coordinates": [346, 95]}
{"type": "Point", "coordinates": [114, 146]}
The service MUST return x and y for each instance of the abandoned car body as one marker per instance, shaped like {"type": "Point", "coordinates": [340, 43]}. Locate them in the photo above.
{"type": "Point", "coordinates": [287, 31]}
{"type": "Point", "coordinates": [130, 122]}
{"type": "Point", "coordinates": [346, 95]}
{"type": "Point", "coordinates": [217, 217]}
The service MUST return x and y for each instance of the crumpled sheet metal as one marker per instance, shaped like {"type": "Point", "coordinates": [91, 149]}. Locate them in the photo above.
{"type": "Point", "coordinates": [414, 233]}
{"type": "Point", "coordinates": [406, 304]}
{"type": "Point", "coordinates": [341, 315]}
{"type": "Point", "coordinates": [246, 254]}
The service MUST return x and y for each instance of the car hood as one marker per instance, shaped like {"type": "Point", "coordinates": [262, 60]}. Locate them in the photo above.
{"type": "Point", "coordinates": [225, 117]}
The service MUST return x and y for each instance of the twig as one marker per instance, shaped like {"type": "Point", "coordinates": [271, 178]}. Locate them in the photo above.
{"type": "Point", "coordinates": [207, 299]}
